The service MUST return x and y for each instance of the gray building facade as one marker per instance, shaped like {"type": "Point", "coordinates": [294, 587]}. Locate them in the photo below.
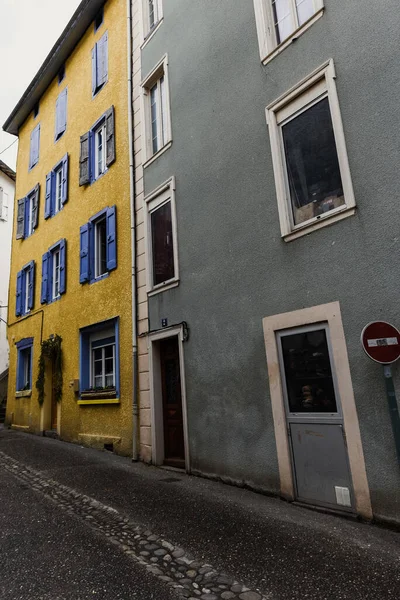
{"type": "Point", "coordinates": [270, 141]}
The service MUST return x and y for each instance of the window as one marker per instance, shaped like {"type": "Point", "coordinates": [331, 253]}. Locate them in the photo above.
{"type": "Point", "coordinates": [162, 239]}
{"type": "Point", "coordinates": [152, 15]}
{"type": "Point", "coordinates": [99, 360]}
{"type": "Point", "coordinates": [157, 110]}
{"type": "Point", "coordinates": [25, 289]}
{"type": "Point", "coordinates": [100, 64]}
{"type": "Point", "coordinates": [28, 213]}
{"type": "Point", "coordinates": [279, 22]}
{"type": "Point", "coordinates": [34, 147]}
{"type": "Point", "coordinates": [3, 205]}
{"type": "Point", "coordinates": [98, 246]}
{"type": "Point", "coordinates": [308, 148]}
{"type": "Point", "coordinates": [61, 114]}
{"type": "Point", "coordinates": [97, 149]}
{"type": "Point", "coordinates": [56, 188]}
{"type": "Point", "coordinates": [54, 272]}
{"type": "Point", "coordinates": [24, 364]}
{"type": "Point", "coordinates": [98, 21]}
{"type": "Point", "coordinates": [61, 73]}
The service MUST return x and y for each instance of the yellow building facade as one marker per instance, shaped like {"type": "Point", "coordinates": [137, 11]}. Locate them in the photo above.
{"type": "Point", "coordinates": [71, 267]}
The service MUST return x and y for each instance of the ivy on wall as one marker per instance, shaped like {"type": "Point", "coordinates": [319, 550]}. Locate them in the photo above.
{"type": "Point", "coordinates": [51, 350]}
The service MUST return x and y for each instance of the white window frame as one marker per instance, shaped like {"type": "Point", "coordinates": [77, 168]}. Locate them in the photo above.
{"type": "Point", "coordinates": [319, 84]}
{"type": "Point", "coordinates": [58, 191]}
{"type": "Point", "coordinates": [147, 31]}
{"type": "Point", "coordinates": [56, 274]}
{"type": "Point", "coordinates": [101, 129]}
{"type": "Point", "coordinates": [26, 291]}
{"type": "Point", "coordinates": [164, 118]}
{"type": "Point", "coordinates": [97, 255]}
{"type": "Point", "coordinates": [268, 46]}
{"type": "Point", "coordinates": [161, 195]}
{"type": "Point", "coordinates": [103, 365]}
{"type": "Point", "coordinates": [3, 205]}
{"type": "Point", "coordinates": [95, 337]}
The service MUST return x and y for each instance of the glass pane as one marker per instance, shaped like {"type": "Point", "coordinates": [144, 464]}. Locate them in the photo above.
{"type": "Point", "coordinates": [109, 351]}
{"type": "Point", "coordinates": [152, 16]}
{"type": "Point", "coordinates": [57, 207]}
{"type": "Point", "coordinates": [312, 163]}
{"type": "Point", "coordinates": [163, 112]}
{"type": "Point", "coordinates": [98, 367]}
{"type": "Point", "coordinates": [100, 143]}
{"type": "Point", "coordinates": [308, 372]}
{"type": "Point", "coordinates": [109, 366]}
{"type": "Point", "coordinates": [101, 248]}
{"type": "Point", "coordinates": [27, 368]}
{"type": "Point", "coordinates": [98, 381]}
{"type": "Point", "coordinates": [162, 244]}
{"type": "Point", "coordinates": [283, 19]}
{"type": "Point", "coordinates": [305, 10]}
{"type": "Point", "coordinates": [153, 108]}
{"type": "Point", "coordinates": [110, 380]}
{"type": "Point", "coordinates": [97, 354]}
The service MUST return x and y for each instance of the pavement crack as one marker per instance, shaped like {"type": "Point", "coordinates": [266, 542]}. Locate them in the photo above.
{"type": "Point", "coordinates": [174, 566]}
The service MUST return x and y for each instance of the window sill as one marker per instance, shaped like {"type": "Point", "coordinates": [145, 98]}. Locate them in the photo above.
{"type": "Point", "coordinates": [99, 401]}
{"type": "Point", "coordinates": [110, 394]}
{"type": "Point", "coordinates": [317, 224]}
{"type": "Point", "coordinates": [293, 37]}
{"type": "Point", "coordinates": [23, 394]}
{"type": "Point", "coordinates": [151, 34]}
{"type": "Point", "coordinates": [162, 287]}
{"type": "Point", "coordinates": [99, 278]}
{"type": "Point", "coordinates": [157, 154]}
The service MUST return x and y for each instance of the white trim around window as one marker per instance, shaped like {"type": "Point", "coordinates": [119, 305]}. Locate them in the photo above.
{"type": "Point", "coordinates": [161, 196]}
{"type": "Point", "coordinates": [151, 19]}
{"type": "Point", "coordinates": [318, 86]}
{"type": "Point", "coordinates": [269, 44]}
{"type": "Point", "coordinates": [157, 112]}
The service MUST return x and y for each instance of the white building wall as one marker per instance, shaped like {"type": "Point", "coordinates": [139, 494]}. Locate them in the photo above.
{"type": "Point", "coordinates": [6, 228]}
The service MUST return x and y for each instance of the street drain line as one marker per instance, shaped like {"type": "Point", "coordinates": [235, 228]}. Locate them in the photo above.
{"type": "Point", "coordinates": [190, 578]}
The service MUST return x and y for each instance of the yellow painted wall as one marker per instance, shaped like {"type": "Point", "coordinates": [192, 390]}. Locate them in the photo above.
{"type": "Point", "coordinates": [85, 304]}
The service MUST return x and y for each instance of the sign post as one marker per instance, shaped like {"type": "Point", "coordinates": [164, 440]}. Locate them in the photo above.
{"type": "Point", "coordinates": [381, 342]}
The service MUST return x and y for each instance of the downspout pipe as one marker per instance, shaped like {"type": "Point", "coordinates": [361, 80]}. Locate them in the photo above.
{"type": "Point", "coordinates": [135, 405]}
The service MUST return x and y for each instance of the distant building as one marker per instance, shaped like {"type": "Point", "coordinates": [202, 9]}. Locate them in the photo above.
{"type": "Point", "coordinates": [7, 193]}
{"type": "Point", "coordinates": [71, 272]}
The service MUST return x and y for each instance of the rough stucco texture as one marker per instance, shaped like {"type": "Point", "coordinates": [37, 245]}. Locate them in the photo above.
{"type": "Point", "coordinates": [234, 267]}
{"type": "Point", "coordinates": [85, 304]}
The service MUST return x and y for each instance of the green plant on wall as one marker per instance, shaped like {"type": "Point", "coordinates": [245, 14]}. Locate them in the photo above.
{"type": "Point", "coordinates": [51, 350]}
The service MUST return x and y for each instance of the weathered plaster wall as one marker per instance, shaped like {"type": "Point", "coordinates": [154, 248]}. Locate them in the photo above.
{"type": "Point", "coordinates": [85, 304]}
{"type": "Point", "coordinates": [234, 267]}
{"type": "Point", "coordinates": [6, 226]}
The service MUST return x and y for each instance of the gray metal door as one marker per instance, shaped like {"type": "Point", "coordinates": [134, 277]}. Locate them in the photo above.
{"type": "Point", "coordinates": [314, 418]}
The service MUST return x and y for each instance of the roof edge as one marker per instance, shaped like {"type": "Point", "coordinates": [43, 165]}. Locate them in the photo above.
{"type": "Point", "coordinates": [7, 170]}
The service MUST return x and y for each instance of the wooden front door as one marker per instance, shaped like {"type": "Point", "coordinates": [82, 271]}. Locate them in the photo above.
{"type": "Point", "coordinates": [174, 447]}
{"type": "Point", "coordinates": [53, 399]}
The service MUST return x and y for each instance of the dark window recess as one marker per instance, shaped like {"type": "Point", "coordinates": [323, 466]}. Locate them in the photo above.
{"type": "Point", "coordinates": [61, 73]}
{"type": "Point", "coordinates": [308, 372]}
{"type": "Point", "coordinates": [99, 19]}
{"type": "Point", "coordinates": [36, 110]}
{"type": "Point", "coordinates": [101, 247]}
{"type": "Point", "coordinates": [312, 163]}
{"type": "Point", "coordinates": [162, 244]}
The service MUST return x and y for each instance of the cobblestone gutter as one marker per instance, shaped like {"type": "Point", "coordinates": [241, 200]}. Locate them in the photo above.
{"type": "Point", "coordinates": [190, 578]}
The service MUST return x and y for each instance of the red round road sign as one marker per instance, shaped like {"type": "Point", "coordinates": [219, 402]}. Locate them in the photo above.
{"type": "Point", "coordinates": [381, 341]}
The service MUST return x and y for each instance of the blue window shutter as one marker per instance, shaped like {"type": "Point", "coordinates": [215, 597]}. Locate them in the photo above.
{"type": "Point", "coordinates": [94, 69]}
{"type": "Point", "coordinates": [63, 266]}
{"type": "Point", "coordinates": [64, 97]}
{"type": "Point", "coordinates": [18, 306]}
{"type": "Point", "coordinates": [84, 254]}
{"type": "Point", "coordinates": [20, 219]}
{"type": "Point", "coordinates": [47, 205]}
{"type": "Point", "coordinates": [104, 59]}
{"type": "Point", "coordinates": [45, 278]}
{"type": "Point", "coordinates": [58, 116]}
{"type": "Point", "coordinates": [64, 191]}
{"type": "Point", "coordinates": [111, 238]}
{"type": "Point", "coordinates": [31, 284]}
{"type": "Point", "coordinates": [34, 149]}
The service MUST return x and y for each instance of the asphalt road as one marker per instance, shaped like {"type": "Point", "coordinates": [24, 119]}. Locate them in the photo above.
{"type": "Point", "coordinates": [282, 551]}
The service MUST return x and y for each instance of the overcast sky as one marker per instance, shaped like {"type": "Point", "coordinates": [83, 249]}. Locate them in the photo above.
{"type": "Point", "coordinates": [29, 28]}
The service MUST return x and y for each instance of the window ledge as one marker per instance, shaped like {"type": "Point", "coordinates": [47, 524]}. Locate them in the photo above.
{"type": "Point", "coordinates": [99, 401]}
{"type": "Point", "coordinates": [99, 395]}
{"type": "Point", "coordinates": [317, 224]}
{"type": "Point", "coordinates": [23, 394]}
{"type": "Point", "coordinates": [293, 37]}
{"type": "Point", "coordinates": [163, 287]}
{"type": "Point", "coordinates": [151, 33]}
{"type": "Point", "coordinates": [157, 154]}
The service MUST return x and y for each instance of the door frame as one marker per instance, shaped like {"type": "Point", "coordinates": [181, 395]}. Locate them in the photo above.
{"type": "Point", "coordinates": [156, 401]}
{"type": "Point", "coordinates": [329, 314]}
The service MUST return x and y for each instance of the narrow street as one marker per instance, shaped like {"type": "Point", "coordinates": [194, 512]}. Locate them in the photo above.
{"type": "Point", "coordinates": [77, 524]}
